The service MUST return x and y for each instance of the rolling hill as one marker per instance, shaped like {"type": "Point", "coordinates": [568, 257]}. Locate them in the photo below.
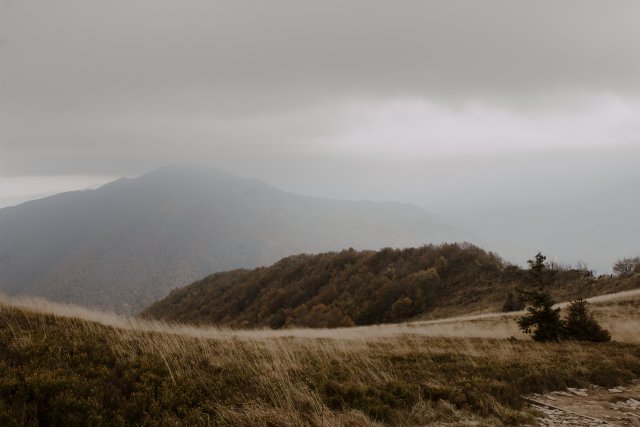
{"type": "Point", "coordinates": [128, 243]}
{"type": "Point", "coordinates": [61, 365]}
{"type": "Point", "coordinates": [367, 287]}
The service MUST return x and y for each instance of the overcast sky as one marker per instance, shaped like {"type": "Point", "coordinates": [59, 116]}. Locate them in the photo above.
{"type": "Point", "coordinates": [444, 104]}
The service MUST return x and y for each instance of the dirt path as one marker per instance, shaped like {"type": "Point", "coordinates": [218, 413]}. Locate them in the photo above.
{"type": "Point", "coordinates": [488, 325]}
{"type": "Point", "coordinates": [595, 406]}
{"type": "Point", "coordinates": [600, 298]}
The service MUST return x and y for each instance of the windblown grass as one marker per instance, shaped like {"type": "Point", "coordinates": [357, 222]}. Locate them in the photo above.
{"type": "Point", "coordinates": [60, 365]}
{"type": "Point", "coordinates": [620, 313]}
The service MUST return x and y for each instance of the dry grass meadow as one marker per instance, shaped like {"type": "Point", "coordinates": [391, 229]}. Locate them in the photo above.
{"type": "Point", "coordinates": [64, 365]}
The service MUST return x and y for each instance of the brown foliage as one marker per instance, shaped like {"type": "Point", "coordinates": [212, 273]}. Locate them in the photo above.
{"type": "Point", "coordinates": [358, 287]}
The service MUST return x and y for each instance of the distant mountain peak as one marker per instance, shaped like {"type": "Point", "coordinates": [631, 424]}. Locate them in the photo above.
{"type": "Point", "coordinates": [133, 240]}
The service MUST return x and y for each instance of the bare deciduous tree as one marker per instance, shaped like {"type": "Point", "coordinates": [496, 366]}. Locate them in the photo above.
{"type": "Point", "coordinates": [627, 266]}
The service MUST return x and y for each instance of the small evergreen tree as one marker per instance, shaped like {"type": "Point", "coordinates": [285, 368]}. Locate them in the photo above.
{"type": "Point", "coordinates": [542, 321]}
{"type": "Point", "coordinates": [580, 324]}
{"type": "Point", "coordinates": [537, 269]}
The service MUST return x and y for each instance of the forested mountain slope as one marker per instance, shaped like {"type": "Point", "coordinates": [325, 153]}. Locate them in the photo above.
{"type": "Point", "coordinates": [366, 287]}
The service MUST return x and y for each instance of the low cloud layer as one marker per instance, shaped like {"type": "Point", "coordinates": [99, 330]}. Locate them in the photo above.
{"type": "Point", "coordinates": [459, 106]}
{"type": "Point", "coordinates": [122, 87]}
{"type": "Point", "coordinates": [392, 129]}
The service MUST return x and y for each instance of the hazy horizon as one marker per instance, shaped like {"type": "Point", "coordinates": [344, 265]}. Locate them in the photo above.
{"type": "Point", "coordinates": [465, 109]}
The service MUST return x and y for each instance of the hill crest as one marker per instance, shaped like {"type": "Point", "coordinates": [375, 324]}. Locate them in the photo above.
{"type": "Point", "coordinates": [352, 287]}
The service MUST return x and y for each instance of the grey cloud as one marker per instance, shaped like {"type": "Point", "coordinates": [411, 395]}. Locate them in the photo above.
{"type": "Point", "coordinates": [119, 87]}
{"type": "Point", "coordinates": [239, 56]}
{"type": "Point", "coordinates": [263, 88]}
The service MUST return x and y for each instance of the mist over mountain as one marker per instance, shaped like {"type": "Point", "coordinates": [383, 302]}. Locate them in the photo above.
{"type": "Point", "coordinates": [131, 241]}
{"type": "Point", "coordinates": [596, 227]}
{"type": "Point", "coordinates": [7, 201]}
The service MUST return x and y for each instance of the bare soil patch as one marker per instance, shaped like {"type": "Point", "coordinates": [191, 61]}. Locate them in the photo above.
{"type": "Point", "coordinates": [595, 406]}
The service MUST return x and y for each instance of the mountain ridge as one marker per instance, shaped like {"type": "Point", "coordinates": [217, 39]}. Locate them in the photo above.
{"type": "Point", "coordinates": [131, 241]}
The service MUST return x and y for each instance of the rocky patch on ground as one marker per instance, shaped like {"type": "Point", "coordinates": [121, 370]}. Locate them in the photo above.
{"type": "Point", "coordinates": [595, 406]}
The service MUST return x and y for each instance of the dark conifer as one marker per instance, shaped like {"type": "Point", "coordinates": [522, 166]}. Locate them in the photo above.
{"type": "Point", "coordinates": [542, 321]}
{"type": "Point", "coordinates": [580, 324]}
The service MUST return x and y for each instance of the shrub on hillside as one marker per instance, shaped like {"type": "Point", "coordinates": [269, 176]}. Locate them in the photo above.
{"type": "Point", "coordinates": [580, 324]}
{"type": "Point", "coordinates": [542, 321]}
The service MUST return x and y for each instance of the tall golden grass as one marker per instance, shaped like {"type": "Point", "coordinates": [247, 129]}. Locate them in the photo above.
{"type": "Point", "coordinates": [453, 371]}
{"type": "Point", "coordinates": [619, 313]}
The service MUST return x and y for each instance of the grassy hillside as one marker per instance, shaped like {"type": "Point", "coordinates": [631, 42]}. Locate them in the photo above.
{"type": "Point", "coordinates": [62, 370]}
{"type": "Point", "coordinates": [366, 287]}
